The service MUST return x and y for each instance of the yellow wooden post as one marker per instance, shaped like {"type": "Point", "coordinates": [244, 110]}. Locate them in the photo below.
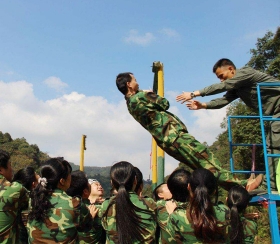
{"type": "Point", "coordinates": [160, 152]}
{"type": "Point", "coordinates": [83, 147]}
{"type": "Point", "coordinates": [157, 152]}
{"type": "Point", "coordinates": [154, 164]}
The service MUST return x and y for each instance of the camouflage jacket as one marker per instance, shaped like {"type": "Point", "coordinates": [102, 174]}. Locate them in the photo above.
{"type": "Point", "coordinates": [95, 233]}
{"type": "Point", "coordinates": [150, 110]}
{"type": "Point", "coordinates": [180, 225]}
{"type": "Point", "coordinates": [162, 219]}
{"type": "Point", "coordinates": [68, 215]}
{"type": "Point", "coordinates": [13, 198]}
{"type": "Point", "coordinates": [250, 230]}
{"type": "Point", "coordinates": [109, 223]}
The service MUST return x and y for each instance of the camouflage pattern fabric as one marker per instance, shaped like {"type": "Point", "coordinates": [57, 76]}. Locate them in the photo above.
{"type": "Point", "coordinates": [250, 230]}
{"type": "Point", "coordinates": [13, 198]}
{"type": "Point", "coordinates": [162, 219]}
{"type": "Point", "coordinates": [180, 225]}
{"type": "Point", "coordinates": [170, 133]}
{"type": "Point", "coordinates": [244, 86]}
{"type": "Point", "coordinates": [68, 216]}
{"type": "Point", "coordinates": [94, 235]}
{"type": "Point", "coordinates": [109, 224]}
{"type": "Point", "coordinates": [22, 222]}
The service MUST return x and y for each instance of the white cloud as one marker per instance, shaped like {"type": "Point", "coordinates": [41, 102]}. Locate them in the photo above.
{"type": "Point", "coordinates": [57, 126]}
{"type": "Point", "coordinates": [143, 40]}
{"type": "Point", "coordinates": [207, 124]}
{"type": "Point", "coordinates": [55, 83]}
{"type": "Point", "coordinates": [170, 33]}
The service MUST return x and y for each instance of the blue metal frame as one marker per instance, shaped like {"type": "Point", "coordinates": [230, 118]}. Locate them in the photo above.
{"type": "Point", "coordinates": [270, 198]}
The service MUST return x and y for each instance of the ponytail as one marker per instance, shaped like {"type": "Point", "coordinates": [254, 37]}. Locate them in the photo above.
{"type": "Point", "coordinates": [129, 225]}
{"type": "Point", "coordinates": [203, 186]}
{"type": "Point", "coordinates": [52, 171]}
{"type": "Point", "coordinates": [238, 199]}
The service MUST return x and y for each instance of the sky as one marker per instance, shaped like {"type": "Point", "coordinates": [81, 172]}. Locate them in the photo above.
{"type": "Point", "coordinates": [59, 61]}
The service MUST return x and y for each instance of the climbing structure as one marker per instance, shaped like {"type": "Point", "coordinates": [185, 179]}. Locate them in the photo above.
{"type": "Point", "coordinates": [272, 198]}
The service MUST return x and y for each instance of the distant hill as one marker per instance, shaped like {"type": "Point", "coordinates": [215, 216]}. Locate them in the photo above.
{"type": "Point", "coordinates": [24, 154]}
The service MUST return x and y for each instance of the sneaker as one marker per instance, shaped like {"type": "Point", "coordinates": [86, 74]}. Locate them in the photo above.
{"type": "Point", "coordinates": [254, 183]}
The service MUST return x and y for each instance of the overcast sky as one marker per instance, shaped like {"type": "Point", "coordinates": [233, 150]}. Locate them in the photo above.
{"type": "Point", "coordinates": [59, 60]}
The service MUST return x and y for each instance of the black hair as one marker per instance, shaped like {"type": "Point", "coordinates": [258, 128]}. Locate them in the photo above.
{"type": "Point", "coordinates": [26, 176]}
{"type": "Point", "coordinates": [79, 182]}
{"type": "Point", "coordinates": [121, 81]}
{"type": "Point", "coordinates": [223, 62]}
{"type": "Point", "coordinates": [238, 200]}
{"type": "Point", "coordinates": [178, 185]}
{"type": "Point", "coordinates": [139, 178]}
{"type": "Point", "coordinates": [203, 185]}
{"type": "Point", "coordinates": [129, 225]}
{"type": "Point", "coordinates": [53, 170]}
{"type": "Point", "coordinates": [4, 159]}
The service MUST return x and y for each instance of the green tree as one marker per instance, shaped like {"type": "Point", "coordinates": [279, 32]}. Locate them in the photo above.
{"type": "Point", "coordinates": [266, 56]}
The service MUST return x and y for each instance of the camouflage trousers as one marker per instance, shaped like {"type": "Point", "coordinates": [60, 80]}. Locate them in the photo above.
{"type": "Point", "coordinates": [186, 149]}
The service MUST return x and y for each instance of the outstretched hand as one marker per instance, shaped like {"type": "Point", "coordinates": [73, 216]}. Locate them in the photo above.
{"type": "Point", "coordinates": [93, 210]}
{"type": "Point", "coordinates": [185, 96]}
{"type": "Point", "coordinates": [194, 105]}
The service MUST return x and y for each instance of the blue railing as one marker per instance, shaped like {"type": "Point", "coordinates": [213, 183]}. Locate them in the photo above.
{"type": "Point", "coordinates": [272, 199]}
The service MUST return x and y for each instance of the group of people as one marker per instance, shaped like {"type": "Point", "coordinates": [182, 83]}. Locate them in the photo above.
{"type": "Point", "coordinates": [170, 133]}
{"type": "Point", "coordinates": [54, 206]}
{"type": "Point", "coordinates": [59, 205]}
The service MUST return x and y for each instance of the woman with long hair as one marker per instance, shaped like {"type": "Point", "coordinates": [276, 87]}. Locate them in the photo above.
{"type": "Point", "coordinates": [126, 217]}
{"type": "Point", "coordinates": [204, 220]}
{"type": "Point", "coordinates": [243, 230]}
{"type": "Point", "coordinates": [54, 217]}
{"type": "Point", "coordinates": [29, 179]}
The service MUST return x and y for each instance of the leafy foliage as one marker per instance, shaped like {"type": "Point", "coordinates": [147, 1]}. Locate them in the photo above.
{"type": "Point", "coordinates": [266, 56]}
{"type": "Point", "coordinates": [22, 153]}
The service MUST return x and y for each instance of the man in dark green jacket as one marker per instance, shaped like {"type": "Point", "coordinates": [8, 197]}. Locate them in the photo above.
{"type": "Point", "coordinates": [170, 133]}
{"type": "Point", "coordinates": [242, 83]}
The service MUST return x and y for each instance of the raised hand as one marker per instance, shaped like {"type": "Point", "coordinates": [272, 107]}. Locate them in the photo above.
{"type": "Point", "coordinates": [185, 96]}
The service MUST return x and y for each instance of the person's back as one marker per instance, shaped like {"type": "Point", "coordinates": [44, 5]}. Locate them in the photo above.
{"type": "Point", "coordinates": [243, 230]}
{"type": "Point", "coordinates": [13, 198]}
{"type": "Point", "coordinates": [29, 179]}
{"type": "Point", "coordinates": [126, 217]}
{"type": "Point", "coordinates": [200, 221]}
{"type": "Point", "coordinates": [54, 216]}
{"type": "Point", "coordinates": [181, 228]}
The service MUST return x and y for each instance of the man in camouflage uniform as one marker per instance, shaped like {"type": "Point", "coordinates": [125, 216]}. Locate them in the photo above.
{"type": "Point", "coordinates": [13, 198]}
{"type": "Point", "coordinates": [80, 186]}
{"type": "Point", "coordinates": [150, 110]}
{"type": "Point", "coordinates": [242, 83]}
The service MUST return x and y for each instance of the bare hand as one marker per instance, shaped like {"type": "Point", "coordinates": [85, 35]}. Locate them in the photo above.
{"type": "Point", "coordinates": [185, 96]}
{"type": "Point", "coordinates": [194, 105]}
{"type": "Point", "coordinates": [252, 215]}
{"type": "Point", "coordinates": [170, 206]}
{"type": "Point", "coordinates": [93, 210]}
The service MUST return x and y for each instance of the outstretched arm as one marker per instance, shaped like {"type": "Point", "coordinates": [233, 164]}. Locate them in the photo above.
{"type": "Point", "coordinates": [195, 105]}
